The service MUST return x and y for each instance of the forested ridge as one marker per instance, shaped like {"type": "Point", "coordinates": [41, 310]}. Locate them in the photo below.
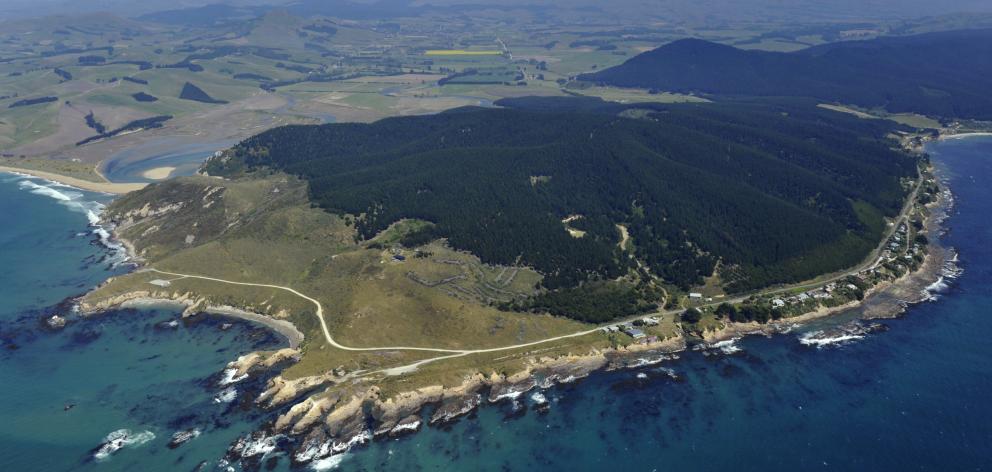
{"type": "Point", "coordinates": [778, 192]}
{"type": "Point", "coordinates": [942, 74]}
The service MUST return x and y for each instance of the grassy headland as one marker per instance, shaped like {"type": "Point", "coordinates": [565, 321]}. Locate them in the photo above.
{"type": "Point", "coordinates": [395, 315]}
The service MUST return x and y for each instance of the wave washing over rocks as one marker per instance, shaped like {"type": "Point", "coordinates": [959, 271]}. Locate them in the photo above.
{"type": "Point", "coordinates": [227, 395]}
{"type": "Point", "coordinates": [74, 199]}
{"type": "Point", "coordinates": [839, 335]}
{"type": "Point", "coordinates": [230, 376]}
{"type": "Point", "coordinates": [328, 463]}
{"type": "Point", "coordinates": [948, 272]}
{"type": "Point", "coordinates": [120, 439]}
{"type": "Point", "coordinates": [727, 346]}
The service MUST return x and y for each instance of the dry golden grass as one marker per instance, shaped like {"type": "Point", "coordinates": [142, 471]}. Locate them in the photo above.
{"type": "Point", "coordinates": [256, 234]}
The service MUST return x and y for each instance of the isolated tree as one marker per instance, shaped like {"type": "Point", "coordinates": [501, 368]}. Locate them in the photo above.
{"type": "Point", "coordinates": [691, 316]}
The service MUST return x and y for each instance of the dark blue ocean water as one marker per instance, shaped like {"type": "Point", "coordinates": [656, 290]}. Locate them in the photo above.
{"type": "Point", "coordinates": [915, 397]}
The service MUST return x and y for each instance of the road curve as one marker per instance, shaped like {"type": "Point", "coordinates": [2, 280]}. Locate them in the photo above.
{"type": "Point", "coordinates": [450, 353]}
{"type": "Point", "coordinates": [320, 315]}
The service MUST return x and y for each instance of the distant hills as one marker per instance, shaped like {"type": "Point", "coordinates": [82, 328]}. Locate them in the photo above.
{"type": "Point", "coordinates": [213, 14]}
{"type": "Point", "coordinates": [776, 192]}
{"type": "Point", "coordinates": [207, 15]}
{"type": "Point", "coordinates": [946, 74]}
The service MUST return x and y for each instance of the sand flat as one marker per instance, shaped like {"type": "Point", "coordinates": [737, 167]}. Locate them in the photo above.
{"type": "Point", "coordinates": [105, 187]}
{"type": "Point", "coordinates": [158, 173]}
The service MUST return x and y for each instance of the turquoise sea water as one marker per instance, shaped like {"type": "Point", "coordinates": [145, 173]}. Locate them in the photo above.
{"type": "Point", "coordinates": [122, 370]}
{"type": "Point", "coordinates": [914, 397]}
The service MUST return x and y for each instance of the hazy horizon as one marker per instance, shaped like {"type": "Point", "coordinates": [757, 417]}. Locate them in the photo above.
{"type": "Point", "coordinates": [720, 10]}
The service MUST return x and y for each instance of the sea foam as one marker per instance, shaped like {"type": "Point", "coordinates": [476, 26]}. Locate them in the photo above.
{"type": "Point", "coordinates": [948, 272]}
{"type": "Point", "coordinates": [227, 395]}
{"type": "Point", "coordinates": [119, 439]}
{"type": "Point", "coordinates": [230, 376]}
{"type": "Point", "coordinates": [328, 463]}
{"type": "Point", "coordinates": [73, 199]}
{"type": "Point", "coordinates": [818, 339]}
{"type": "Point", "coordinates": [728, 346]}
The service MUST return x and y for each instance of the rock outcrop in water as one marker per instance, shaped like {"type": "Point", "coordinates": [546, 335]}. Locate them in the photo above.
{"type": "Point", "coordinates": [182, 437]}
{"type": "Point", "coordinates": [340, 418]}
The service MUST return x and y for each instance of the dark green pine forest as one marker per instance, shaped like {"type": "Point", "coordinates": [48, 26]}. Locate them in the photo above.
{"type": "Point", "coordinates": [944, 74]}
{"type": "Point", "coordinates": [776, 191]}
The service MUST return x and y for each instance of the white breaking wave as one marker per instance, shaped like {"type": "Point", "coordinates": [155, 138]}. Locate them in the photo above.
{"type": "Point", "coordinates": [120, 439]}
{"type": "Point", "coordinates": [728, 347]}
{"type": "Point", "coordinates": [308, 454]}
{"type": "Point", "coordinates": [230, 376]}
{"type": "Point", "coordinates": [328, 463]}
{"type": "Point", "coordinates": [227, 395]}
{"type": "Point", "coordinates": [360, 438]}
{"type": "Point", "coordinates": [262, 446]}
{"type": "Point", "coordinates": [669, 372]}
{"type": "Point", "coordinates": [937, 287]}
{"type": "Point", "coordinates": [72, 198]}
{"type": "Point", "coordinates": [949, 271]}
{"type": "Point", "coordinates": [818, 340]}
{"type": "Point", "coordinates": [510, 394]}
{"type": "Point", "coordinates": [48, 191]}
{"type": "Point", "coordinates": [646, 361]}
{"type": "Point", "coordinates": [413, 426]}
{"type": "Point", "coordinates": [539, 398]}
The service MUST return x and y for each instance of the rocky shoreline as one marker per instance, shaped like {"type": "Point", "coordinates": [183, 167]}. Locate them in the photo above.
{"type": "Point", "coordinates": [190, 303]}
{"type": "Point", "coordinates": [316, 427]}
{"type": "Point", "coordinates": [313, 426]}
{"type": "Point", "coordinates": [885, 300]}
{"type": "Point", "coordinates": [323, 425]}
{"type": "Point", "coordinates": [192, 306]}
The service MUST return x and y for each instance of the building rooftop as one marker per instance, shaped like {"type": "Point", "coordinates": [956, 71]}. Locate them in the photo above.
{"type": "Point", "coordinates": [635, 333]}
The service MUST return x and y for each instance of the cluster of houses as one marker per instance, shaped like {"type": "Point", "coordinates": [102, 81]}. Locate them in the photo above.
{"type": "Point", "coordinates": [822, 293]}
{"type": "Point", "coordinates": [895, 242]}
{"type": "Point", "coordinates": [891, 254]}
{"type": "Point", "coordinates": [899, 253]}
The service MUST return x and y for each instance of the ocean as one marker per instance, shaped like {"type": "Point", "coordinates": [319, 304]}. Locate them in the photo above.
{"type": "Point", "coordinates": [64, 392]}
{"type": "Point", "coordinates": [912, 397]}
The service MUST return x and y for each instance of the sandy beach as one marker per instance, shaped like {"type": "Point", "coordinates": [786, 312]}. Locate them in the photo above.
{"type": "Point", "coordinates": [104, 187]}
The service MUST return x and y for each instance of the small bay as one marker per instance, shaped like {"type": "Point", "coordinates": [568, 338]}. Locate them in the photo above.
{"type": "Point", "coordinates": [65, 391]}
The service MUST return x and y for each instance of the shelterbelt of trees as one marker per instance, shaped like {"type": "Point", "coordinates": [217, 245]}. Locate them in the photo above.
{"type": "Point", "coordinates": [777, 192]}
{"type": "Point", "coordinates": [943, 74]}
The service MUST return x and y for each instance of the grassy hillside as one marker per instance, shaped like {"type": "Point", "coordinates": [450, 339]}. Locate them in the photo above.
{"type": "Point", "coordinates": [262, 229]}
{"type": "Point", "coordinates": [942, 74]}
{"type": "Point", "coordinates": [775, 192]}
